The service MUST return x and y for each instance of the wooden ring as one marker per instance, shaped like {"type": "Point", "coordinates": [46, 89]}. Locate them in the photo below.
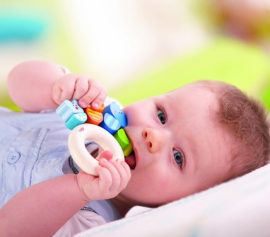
{"type": "Point", "coordinates": [79, 153]}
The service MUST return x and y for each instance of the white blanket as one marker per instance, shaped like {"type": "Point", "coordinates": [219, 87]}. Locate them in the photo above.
{"type": "Point", "coordinates": [240, 207]}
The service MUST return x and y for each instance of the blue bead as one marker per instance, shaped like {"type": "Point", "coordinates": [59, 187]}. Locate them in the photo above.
{"type": "Point", "coordinates": [121, 117]}
{"type": "Point", "coordinates": [75, 120]}
{"type": "Point", "coordinates": [67, 109]}
{"type": "Point", "coordinates": [110, 124]}
{"type": "Point", "coordinates": [76, 106]}
{"type": "Point", "coordinates": [114, 110]}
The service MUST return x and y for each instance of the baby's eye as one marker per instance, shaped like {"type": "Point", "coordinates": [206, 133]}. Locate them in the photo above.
{"type": "Point", "coordinates": [161, 116]}
{"type": "Point", "coordinates": [178, 157]}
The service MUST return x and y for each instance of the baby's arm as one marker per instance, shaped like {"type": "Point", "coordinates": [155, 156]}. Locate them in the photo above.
{"type": "Point", "coordinates": [30, 84]}
{"type": "Point", "coordinates": [39, 85]}
{"type": "Point", "coordinates": [43, 208]}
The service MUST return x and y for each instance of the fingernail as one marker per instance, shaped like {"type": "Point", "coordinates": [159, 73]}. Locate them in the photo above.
{"type": "Point", "coordinates": [83, 104]}
{"type": "Point", "coordinates": [96, 105]}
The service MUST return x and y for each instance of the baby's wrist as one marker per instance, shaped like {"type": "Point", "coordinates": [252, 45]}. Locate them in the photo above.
{"type": "Point", "coordinates": [81, 190]}
{"type": "Point", "coordinates": [57, 90]}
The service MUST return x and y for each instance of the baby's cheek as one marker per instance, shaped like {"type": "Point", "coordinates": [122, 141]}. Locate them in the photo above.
{"type": "Point", "coordinates": [164, 181]}
{"type": "Point", "coordinates": [158, 179]}
{"type": "Point", "coordinates": [134, 112]}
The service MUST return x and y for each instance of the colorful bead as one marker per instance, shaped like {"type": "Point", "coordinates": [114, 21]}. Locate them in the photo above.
{"type": "Point", "coordinates": [123, 140]}
{"type": "Point", "coordinates": [75, 120]}
{"type": "Point", "coordinates": [100, 109]}
{"type": "Point", "coordinates": [67, 109]}
{"type": "Point", "coordinates": [110, 124]}
{"type": "Point", "coordinates": [114, 110]}
{"type": "Point", "coordinates": [93, 116]}
{"type": "Point", "coordinates": [127, 151]}
{"type": "Point", "coordinates": [111, 118]}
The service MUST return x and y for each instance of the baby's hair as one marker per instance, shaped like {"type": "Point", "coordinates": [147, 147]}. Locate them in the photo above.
{"type": "Point", "coordinates": [246, 120]}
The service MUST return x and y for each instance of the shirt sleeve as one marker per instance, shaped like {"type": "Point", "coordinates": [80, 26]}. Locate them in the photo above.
{"type": "Point", "coordinates": [81, 221]}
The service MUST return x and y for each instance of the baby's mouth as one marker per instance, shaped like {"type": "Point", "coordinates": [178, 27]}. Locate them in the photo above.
{"type": "Point", "coordinates": [131, 160]}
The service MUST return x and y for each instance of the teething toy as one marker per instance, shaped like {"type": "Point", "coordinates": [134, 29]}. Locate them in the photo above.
{"type": "Point", "coordinates": [114, 110]}
{"type": "Point", "coordinates": [93, 116]}
{"type": "Point", "coordinates": [110, 124]}
{"type": "Point", "coordinates": [122, 139]}
{"type": "Point", "coordinates": [71, 113]}
{"type": "Point", "coordinates": [100, 109]}
{"type": "Point", "coordinates": [78, 150]}
{"type": "Point", "coordinates": [111, 121]}
{"type": "Point", "coordinates": [67, 108]}
{"type": "Point", "coordinates": [75, 120]}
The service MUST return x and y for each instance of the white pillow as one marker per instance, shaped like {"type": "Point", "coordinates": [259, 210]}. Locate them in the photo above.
{"type": "Point", "coordinates": [240, 207]}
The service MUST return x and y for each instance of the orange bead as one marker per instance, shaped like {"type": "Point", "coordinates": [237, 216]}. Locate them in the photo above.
{"type": "Point", "coordinates": [100, 109]}
{"type": "Point", "coordinates": [93, 117]}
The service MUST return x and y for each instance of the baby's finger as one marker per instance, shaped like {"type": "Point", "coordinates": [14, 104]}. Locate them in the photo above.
{"type": "Point", "coordinates": [99, 99]}
{"type": "Point", "coordinates": [111, 166]}
{"type": "Point", "coordinates": [124, 175]}
{"type": "Point", "coordinates": [80, 89]}
{"type": "Point", "coordinates": [105, 154]}
{"type": "Point", "coordinates": [121, 172]}
{"type": "Point", "coordinates": [94, 90]}
{"type": "Point", "coordinates": [127, 169]}
{"type": "Point", "coordinates": [105, 178]}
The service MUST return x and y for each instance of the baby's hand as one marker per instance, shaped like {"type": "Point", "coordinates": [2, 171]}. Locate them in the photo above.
{"type": "Point", "coordinates": [113, 177]}
{"type": "Point", "coordinates": [79, 87]}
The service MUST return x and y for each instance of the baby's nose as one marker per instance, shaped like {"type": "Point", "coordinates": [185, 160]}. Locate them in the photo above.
{"type": "Point", "coordinates": [153, 139]}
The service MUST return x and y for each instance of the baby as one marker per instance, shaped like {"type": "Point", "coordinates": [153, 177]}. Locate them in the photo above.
{"type": "Point", "coordinates": [184, 141]}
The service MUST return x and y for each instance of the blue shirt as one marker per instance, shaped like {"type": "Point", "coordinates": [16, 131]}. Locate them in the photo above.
{"type": "Point", "coordinates": [33, 148]}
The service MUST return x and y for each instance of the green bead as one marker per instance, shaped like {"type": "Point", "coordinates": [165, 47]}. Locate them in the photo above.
{"type": "Point", "coordinates": [122, 139]}
{"type": "Point", "coordinates": [128, 150]}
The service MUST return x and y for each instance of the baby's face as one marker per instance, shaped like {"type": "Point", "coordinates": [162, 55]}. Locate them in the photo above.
{"type": "Point", "coordinates": [179, 148]}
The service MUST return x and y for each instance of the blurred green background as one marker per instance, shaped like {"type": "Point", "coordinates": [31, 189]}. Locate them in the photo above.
{"type": "Point", "coordinates": [139, 48]}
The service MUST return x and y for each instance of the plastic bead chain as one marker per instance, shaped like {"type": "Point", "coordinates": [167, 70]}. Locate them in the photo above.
{"type": "Point", "coordinates": [82, 122]}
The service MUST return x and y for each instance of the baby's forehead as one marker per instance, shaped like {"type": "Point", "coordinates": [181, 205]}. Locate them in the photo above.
{"type": "Point", "coordinates": [192, 101]}
{"type": "Point", "coordinates": [195, 90]}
